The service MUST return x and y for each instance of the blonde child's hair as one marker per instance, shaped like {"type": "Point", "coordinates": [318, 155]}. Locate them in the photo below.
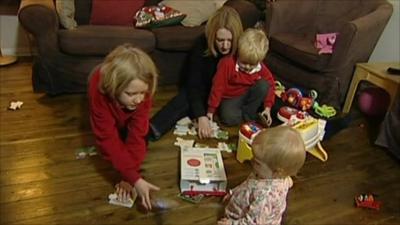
{"type": "Point", "coordinates": [253, 46]}
{"type": "Point", "coordinates": [281, 149]}
{"type": "Point", "coordinates": [124, 64]}
{"type": "Point", "coordinates": [225, 17]}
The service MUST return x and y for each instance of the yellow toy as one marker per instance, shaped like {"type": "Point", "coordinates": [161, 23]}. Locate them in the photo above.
{"type": "Point", "coordinates": [247, 133]}
{"type": "Point", "coordinates": [312, 131]}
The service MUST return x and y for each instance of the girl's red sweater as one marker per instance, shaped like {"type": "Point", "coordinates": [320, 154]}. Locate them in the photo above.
{"type": "Point", "coordinates": [108, 119]}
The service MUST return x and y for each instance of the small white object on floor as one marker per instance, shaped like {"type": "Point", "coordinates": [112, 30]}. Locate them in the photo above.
{"type": "Point", "coordinates": [186, 121]}
{"type": "Point", "coordinates": [113, 199]}
{"type": "Point", "coordinates": [183, 143]}
{"type": "Point", "coordinates": [224, 147]}
{"type": "Point", "coordinates": [14, 105]}
{"type": "Point", "coordinates": [192, 131]}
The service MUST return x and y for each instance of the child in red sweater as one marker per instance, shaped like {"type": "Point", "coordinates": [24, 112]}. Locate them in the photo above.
{"type": "Point", "coordinates": [120, 98]}
{"type": "Point", "coordinates": [241, 84]}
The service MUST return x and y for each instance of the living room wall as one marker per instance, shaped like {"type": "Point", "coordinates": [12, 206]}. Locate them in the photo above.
{"type": "Point", "coordinates": [388, 47]}
{"type": "Point", "coordinates": [15, 41]}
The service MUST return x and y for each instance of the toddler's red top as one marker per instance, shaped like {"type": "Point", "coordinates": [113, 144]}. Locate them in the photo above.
{"type": "Point", "coordinates": [230, 82]}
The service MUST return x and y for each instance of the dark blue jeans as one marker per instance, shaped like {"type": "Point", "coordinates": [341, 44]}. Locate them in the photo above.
{"type": "Point", "coordinates": [234, 111]}
{"type": "Point", "coordinates": [165, 119]}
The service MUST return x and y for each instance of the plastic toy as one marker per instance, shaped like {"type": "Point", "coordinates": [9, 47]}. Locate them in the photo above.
{"type": "Point", "coordinates": [311, 130]}
{"type": "Point", "coordinates": [324, 110]}
{"type": "Point", "coordinates": [367, 201]}
{"type": "Point", "coordinates": [247, 133]}
{"type": "Point", "coordinates": [286, 114]}
{"type": "Point", "coordinates": [295, 98]}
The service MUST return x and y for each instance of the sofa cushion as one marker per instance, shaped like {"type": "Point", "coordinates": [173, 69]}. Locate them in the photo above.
{"type": "Point", "coordinates": [197, 11]}
{"type": "Point", "coordinates": [177, 38]}
{"type": "Point", "coordinates": [158, 16]}
{"type": "Point", "coordinates": [100, 40]}
{"type": "Point", "coordinates": [300, 49]}
{"type": "Point", "coordinates": [114, 12]}
{"type": "Point", "coordinates": [66, 13]}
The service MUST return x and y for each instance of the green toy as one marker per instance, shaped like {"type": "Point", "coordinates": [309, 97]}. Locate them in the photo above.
{"type": "Point", "coordinates": [324, 110]}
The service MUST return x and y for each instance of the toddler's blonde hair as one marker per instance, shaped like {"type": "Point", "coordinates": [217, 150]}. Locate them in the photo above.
{"type": "Point", "coordinates": [253, 46]}
{"type": "Point", "coordinates": [124, 64]}
{"type": "Point", "coordinates": [281, 149]}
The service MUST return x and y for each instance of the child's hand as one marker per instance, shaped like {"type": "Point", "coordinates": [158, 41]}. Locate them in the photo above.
{"type": "Point", "coordinates": [223, 221]}
{"type": "Point", "coordinates": [267, 114]}
{"type": "Point", "coordinates": [143, 189]}
{"type": "Point", "coordinates": [123, 190]}
{"type": "Point", "coordinates": [205, 130]}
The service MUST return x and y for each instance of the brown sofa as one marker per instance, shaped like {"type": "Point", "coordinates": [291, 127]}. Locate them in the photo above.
{"type": "Point", "coordinates": [65, 57]}
{"type": "Point", "coordinates": [292, 26]}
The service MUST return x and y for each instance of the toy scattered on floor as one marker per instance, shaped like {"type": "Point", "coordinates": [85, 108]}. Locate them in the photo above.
{"type": "Point", "coordinates": [324, 110]}
{"type": "Point", "coordinates": [247, 132]}
{"type": "Point", "coordinates": [185, 126]}
{"type": "Point", "coordinates": [201, 145]}
{"type": "Point", "coordinates": [225, 147]}
{"type": "Point", "coordinates": [84, 152]}
{"type": "Point", "coordinates": [183, 143]}
{"type": "Point", "coordinates": [192, 199]}
{"type": "Point", "coordinates": [221, 134]}
{"type": "Point", "coordinates": [14, 105]}
{"type": "Point", "coordinates": [367, 201]}
{"type": "Point", "coordinates": [294, 98]}
{"type": "Point", "coordinates": [114, 200]}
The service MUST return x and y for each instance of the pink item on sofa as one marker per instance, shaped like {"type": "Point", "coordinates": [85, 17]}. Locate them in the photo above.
{"type": "Point", "coordinates": [325, 42]}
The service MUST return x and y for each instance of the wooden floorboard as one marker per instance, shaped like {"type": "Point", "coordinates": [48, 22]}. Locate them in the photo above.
{"type": "Point", "coordinates": [42, 182]}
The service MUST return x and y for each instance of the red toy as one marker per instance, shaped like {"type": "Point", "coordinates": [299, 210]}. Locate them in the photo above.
{"type": "Point", "coordinates": [294, 97]}
{"type": "Point", "coordinates": [367, 201]}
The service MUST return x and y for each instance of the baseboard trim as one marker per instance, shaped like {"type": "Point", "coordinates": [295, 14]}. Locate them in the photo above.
{"type": "Point", "coordinates": [22, 51]}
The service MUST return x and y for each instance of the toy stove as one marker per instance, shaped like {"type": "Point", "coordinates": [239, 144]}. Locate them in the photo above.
{"type": "Point", "coordinates": [247, 133]}
{"type": "Point", "coordinates": [312, 130]}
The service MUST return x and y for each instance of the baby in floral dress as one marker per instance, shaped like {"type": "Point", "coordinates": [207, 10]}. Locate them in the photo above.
{"type": "Point", "coordinates": [279, 153]}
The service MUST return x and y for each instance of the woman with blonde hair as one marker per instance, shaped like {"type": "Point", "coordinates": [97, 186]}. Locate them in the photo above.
{"type": "Point", "coordinates": [222, 32]}
{"type": "Point", "coordinates": [243, 82]}
{"type": "Point", "coordinates": [120, 97]}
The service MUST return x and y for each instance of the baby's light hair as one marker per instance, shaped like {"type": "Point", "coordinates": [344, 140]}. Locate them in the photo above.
{"type": "Point", "coordinates": [253, 46]}
{"type": "Point", "coordinates": [281, 149]}
{"type": "Point", "coordinates": [124, 64]}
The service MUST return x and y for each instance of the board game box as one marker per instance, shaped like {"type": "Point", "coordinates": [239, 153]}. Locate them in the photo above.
{"type": "Point", "coordinates": [202, 172]}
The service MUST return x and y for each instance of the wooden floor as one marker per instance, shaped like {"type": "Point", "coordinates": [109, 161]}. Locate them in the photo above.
{"type": "Point", "coordinates": [42, 182]}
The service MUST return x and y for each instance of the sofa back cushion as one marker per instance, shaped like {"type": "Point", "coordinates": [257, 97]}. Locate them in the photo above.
{"type": "Point", "coordinates": [83, 10]}
{"type": "Point", "coordinates": [115, 12]}
{"type": "Point", "coordinates": [88, 40]}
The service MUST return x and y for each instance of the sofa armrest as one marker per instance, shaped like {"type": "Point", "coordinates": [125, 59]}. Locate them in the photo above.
{"type": "Point", "coordinates": [249, 14]}
{"type": "Point", "coordinates": [358, 38]}
{"type": "Point", "coordinates": [39, 17]}
{"type": "Point", "coordinates": [281, 18]}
